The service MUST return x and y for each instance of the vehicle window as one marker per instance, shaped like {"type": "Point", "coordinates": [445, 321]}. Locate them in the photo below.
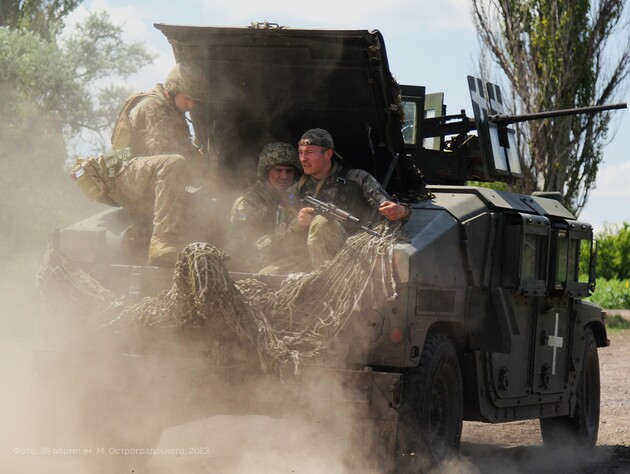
{"type": "Point", "coordinates": [433, 107]}
{"type": "Point", "coordinates": [526, 250]}
{"type": "Point", "coordinates": [573, 260]}
{"type": "Point", "coordinates": [561, 269]}
{"type": "Point", "coordinates": [584, 259]}
{"type": "Point", "coordinates": [573, 249]}
{"type": "Point", "coordinates": [530, 257]}
{"type": "Point", "coordinates": [410, 123]}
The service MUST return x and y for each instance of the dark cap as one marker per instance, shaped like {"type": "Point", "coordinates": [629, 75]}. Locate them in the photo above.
{"type": "Point", "coordinates": [318, 137]}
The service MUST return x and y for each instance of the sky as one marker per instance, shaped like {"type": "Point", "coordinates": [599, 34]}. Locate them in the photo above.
{"type": "Point", "coordinates": [428, 43]}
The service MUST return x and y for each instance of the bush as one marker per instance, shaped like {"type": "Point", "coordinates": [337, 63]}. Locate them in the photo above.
{"type": "Point", "coordinates": [613, 252]}
{"type": "Point", "coordinates": [612, 294]}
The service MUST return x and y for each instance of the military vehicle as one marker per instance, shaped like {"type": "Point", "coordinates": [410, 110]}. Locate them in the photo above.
{"type": "Point", "coordinates": [489, 323]}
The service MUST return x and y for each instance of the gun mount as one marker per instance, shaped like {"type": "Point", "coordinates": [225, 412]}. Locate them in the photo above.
{"type": "Point", "coordinates": [488, 155]}
{"type": "Point", "coordinates": [461, 123]}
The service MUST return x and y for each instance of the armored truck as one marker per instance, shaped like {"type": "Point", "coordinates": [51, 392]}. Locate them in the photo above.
{"type": "Point", "coordinates": [490, 322]}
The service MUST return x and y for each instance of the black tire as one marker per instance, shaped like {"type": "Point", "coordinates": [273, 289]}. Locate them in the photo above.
{"type": "Point", "coordinates": [432, 407]}
{"type": "Point", "coordinates": [582, 428]}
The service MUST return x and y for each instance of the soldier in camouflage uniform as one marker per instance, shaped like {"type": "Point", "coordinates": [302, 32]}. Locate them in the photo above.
{"type": "Point", "coordinates": [353, 190]}
{"type": "Point", "coordinates": [153, 124]}
{"type": "Point", "coordinates": [260, 216]}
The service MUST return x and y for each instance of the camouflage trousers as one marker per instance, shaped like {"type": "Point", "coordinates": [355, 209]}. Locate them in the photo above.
{"type": "Point", "coordinates": [325, 238]}
{"type": "Point", "coordinates": [155, 186]}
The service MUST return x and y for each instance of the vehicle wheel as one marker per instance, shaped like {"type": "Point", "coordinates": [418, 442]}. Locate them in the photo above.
{"type": "Point", "coordinates": [431, 411]}
{"type": "Point", "coordinates": [580, 429]}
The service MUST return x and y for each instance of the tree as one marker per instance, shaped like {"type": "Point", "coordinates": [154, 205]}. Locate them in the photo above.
{"type": "Point", "coordinates": [70, 87]}
{"type": "Point", "coordinates": [42, 17]}
{"type": "Point", "coordinates": [555, 54]}
{"type": "Point", "coordinates": [54, 93]}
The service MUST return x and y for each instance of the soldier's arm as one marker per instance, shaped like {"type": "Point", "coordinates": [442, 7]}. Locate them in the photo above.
{"type": "Point", "coordinates": [378, 198]}
{"type": "Point", "coordinates": [166, 134]}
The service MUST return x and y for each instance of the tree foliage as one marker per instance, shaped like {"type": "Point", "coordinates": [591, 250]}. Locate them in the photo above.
{"type": "Point", "coordinates": [613, 252]}
{"type": "Point", "coordinates": [45, 18]}
{"type": "Point", "coordinates": [55, 93]}
{"type": "Point", "coordinates": [556, 54]}
{"type": "Point", "coordinates": [69, 87]}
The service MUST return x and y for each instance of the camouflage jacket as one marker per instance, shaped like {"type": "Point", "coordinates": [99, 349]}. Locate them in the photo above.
{"type": "Point", "coordinates": [258, 225]}
{"type": "Point", "coordinates": [353, 190]}
{"type": "Point", "coordinates": [157, 127]}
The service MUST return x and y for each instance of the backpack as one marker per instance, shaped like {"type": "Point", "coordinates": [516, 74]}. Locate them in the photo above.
{"type": "Point", "coordinates": [123, 134]}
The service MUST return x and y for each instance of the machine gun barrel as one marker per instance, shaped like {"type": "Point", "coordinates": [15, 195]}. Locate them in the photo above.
{"type": "Point", "coordinates": [446, 125]}
{"type": "Point", "coordinates": [502, 119]}
{"type": "Point", "coordinates": [338, 213]}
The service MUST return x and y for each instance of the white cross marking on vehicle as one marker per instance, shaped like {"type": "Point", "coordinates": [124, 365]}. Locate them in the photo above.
{"type": "Point", "coordinates": [556, 342]}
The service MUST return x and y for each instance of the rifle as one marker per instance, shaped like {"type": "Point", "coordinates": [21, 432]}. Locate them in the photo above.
{"type": "Point", "coordinates": [337, 213]}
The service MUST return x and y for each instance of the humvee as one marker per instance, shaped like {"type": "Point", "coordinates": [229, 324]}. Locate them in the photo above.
{"type": "Point", "coordinates": [489, 324]}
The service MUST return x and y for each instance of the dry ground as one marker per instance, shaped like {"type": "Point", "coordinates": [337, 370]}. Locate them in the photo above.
{"type": "Point", "coordinates": [513, 448]}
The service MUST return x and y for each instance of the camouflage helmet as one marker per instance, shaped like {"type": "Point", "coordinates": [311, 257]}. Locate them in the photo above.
{"type": "Point", "coordinates": [278, 154]}
{"type": "Point", "coordinates": [189, 79]}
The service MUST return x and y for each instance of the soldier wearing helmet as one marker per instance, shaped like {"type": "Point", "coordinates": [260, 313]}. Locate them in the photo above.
{"type": "Point", "coordinates": [260, 216]}
{"type": "Point", "coordinates": [187, 79]}
{"type": "Point", "coordinates": [153, 125]}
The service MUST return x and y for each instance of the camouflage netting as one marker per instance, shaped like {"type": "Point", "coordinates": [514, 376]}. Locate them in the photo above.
{"type": "Point", "coordinates": [283, 325]}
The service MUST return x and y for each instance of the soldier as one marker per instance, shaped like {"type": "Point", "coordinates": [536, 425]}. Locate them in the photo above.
{"type": "Point", "coordinates": [153, 181]}
{"type": "Point", "coordinates": [260, 216]}
{"type": "Point", "coordinates": [353, 190]}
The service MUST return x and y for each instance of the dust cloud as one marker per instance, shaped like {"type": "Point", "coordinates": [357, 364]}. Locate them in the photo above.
{"type": "Point", "coordinates": [145, 401]}
{"type": "Point", "coordinates": [76, 402]}
{"type": "Point", "coordinates": [77, 405]}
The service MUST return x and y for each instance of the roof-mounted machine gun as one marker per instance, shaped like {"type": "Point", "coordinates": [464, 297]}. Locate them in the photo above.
{"type": "Point", "coordinates": [492, 152]}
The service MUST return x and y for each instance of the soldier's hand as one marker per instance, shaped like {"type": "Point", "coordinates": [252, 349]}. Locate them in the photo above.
{"type": "Point", "coordinates": [305, 217]}
{"type": "Point", "coordinates": [392, 211]}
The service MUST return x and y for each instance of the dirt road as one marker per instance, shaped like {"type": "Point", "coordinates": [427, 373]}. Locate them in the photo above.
{"type": "Point", "coordinates": [513, 448]}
